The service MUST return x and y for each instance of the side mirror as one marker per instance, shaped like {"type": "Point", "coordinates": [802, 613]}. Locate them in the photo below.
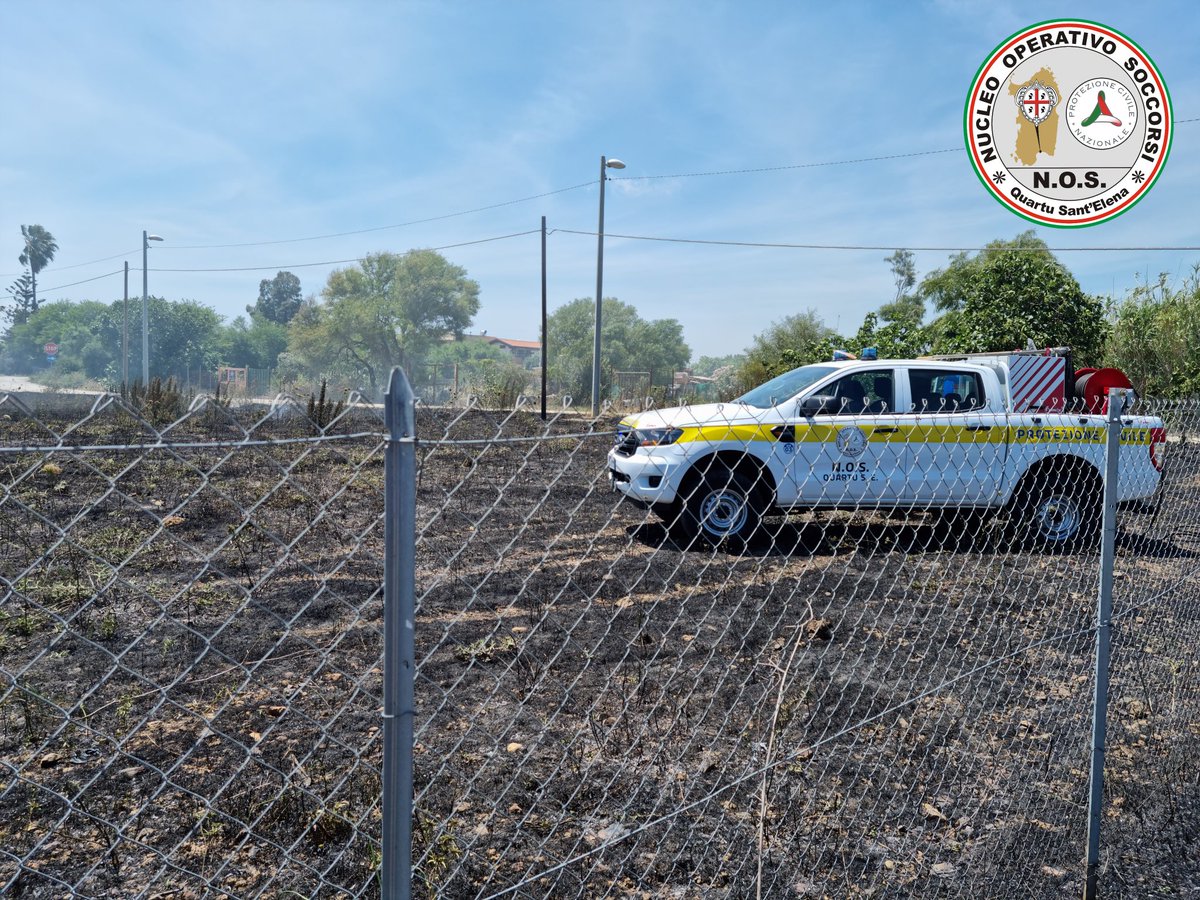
{"type": "Point", "coordinates": [819, 403]}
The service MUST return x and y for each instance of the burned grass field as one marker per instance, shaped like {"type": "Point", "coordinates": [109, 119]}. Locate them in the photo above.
{"type": "Point", "coordinates": [191, 652]}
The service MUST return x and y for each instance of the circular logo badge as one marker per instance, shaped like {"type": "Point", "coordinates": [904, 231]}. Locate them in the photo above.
{"type": "Point", "coordinates": [1090, 118]}
{"type": "Point", "coordinates": [851, 441]}
{"type": "Point", "coordinates": [1068, 123]}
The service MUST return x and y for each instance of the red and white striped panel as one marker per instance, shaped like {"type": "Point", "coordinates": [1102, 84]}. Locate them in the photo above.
{"type": "Point", "coordinates": [1037, 383]}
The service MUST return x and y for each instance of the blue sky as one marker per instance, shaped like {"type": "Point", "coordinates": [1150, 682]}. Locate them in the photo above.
{"type": "Point", "coordinates": [275, 125]}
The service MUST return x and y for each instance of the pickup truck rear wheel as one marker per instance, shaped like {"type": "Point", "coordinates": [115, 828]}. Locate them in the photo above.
{"type": "Point", "coordinates": [1056, 514]}
{"type": "Point", "coordinates": [722, 507]}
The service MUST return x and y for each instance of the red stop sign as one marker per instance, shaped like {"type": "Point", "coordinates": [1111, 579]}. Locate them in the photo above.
{"type": "Point", "coordinates": [51, 348]}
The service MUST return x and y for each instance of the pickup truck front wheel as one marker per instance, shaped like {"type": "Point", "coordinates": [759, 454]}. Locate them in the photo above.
{"type": "Point", "coordinates": [722, 507]}
{"type": "Point", "coordinates": [1055, 514]}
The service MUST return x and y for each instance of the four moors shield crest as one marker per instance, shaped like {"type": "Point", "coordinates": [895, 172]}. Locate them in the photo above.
{"type": "Point", "coordinates": [1036, 101]}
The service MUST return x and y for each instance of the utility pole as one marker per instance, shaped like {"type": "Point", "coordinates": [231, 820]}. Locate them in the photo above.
{"type": "Point", "coordinates": [543, 318]}
{"type": "Point", "coordinates": [125, 333]}
{"type": "Point", "coordinates": [146, 239]}
{"type": "Point", "coordinates": [605, 164]}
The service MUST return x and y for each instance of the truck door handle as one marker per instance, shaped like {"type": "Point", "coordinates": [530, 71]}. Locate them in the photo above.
{"type": "Point", "coordinates": [886, 430]}
{"type": "Point", "coordinates": [979, 428]}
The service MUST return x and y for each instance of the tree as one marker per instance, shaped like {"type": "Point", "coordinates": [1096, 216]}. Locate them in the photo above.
{"type": "Point", "coordinates": [470, 355]}
{"type": "Point", "coordinates": [905, 309]}
{"type": "Point", "coordinates": [1009, 293]}
{"type": "Point", "coordinates": [895, 330]}
{"type": "Point", "coordinates": [21, 291]}
{"type": "Point", "coordinates": [627, 343]}
{"type": "Point", "coordinates": [40, 248]}
{"type": "Point", "coordinates": [723, 370]}
{"type": "Point", "coordinates": [792, 341]}
{"type": "Point", "coordinates": [462, 364]}
{"type": "Point", "coordinates": [902, 338]}
{"type": "Point", "coordinates": [256, 343]}
{"type": "Point", "coordinates": [1155, 337]}
{"type": "Point", "coordinates": [904, 271]}
{"type": "Point", "coordinates": [75, 327]}
{"type": "Point", "coordinates": [384, 312]}
{"type": "Point", "coordinates": [279, 298]}
{"type": "Point", "coordinates": [707, 365]}
{"type": "Point", "coordinates": [185, 336]}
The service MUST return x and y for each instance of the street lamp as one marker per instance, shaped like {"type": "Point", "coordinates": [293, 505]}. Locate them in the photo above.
{"type": "Point", "coordinates": [146, 239]}
{"type": "Point", "coordinates": [604, 164]}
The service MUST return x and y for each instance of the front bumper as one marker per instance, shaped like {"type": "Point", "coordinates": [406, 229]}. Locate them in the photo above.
{"type": "Point", "coordinates": [646, 477]}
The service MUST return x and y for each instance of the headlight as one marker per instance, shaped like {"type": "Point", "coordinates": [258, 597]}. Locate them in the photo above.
{"type": "Point", "coordinates": [657, 437]}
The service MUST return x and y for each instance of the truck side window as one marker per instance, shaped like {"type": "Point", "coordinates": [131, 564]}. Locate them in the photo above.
{"type": "Point", "coordinates": [943, 391]}
{"type": "Point", "coordinates": [863, 393]}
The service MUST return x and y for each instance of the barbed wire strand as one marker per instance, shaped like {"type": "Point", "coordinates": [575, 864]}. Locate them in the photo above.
{"type": "Point", "coordinates": [274, 442]}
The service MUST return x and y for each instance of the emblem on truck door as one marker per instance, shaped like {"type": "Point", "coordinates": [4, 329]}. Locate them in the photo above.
{"type": "Point", "coordinates": [851, 441]}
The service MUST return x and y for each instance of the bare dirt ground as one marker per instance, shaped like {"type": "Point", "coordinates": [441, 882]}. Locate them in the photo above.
{"type": "Point", "coordinates": [190, 648]}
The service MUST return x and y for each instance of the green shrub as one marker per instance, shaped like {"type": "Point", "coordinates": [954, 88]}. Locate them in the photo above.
{"type": "Point", "coordinates": [497, 385]}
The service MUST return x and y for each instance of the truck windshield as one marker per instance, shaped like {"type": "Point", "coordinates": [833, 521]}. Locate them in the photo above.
{"type": "Point", "coordinates": [785, 386]}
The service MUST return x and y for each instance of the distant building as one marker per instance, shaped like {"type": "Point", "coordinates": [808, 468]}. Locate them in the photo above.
{"type": "Point", "coordinates": [527, 353]}
{"type": "Point", "coordinates": [685, 383]}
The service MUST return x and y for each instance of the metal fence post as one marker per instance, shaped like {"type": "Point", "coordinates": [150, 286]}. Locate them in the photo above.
{"type": "Point", "coordinates": [1116, 403]}
{"type": "Point", "coordinates": [399, 653]}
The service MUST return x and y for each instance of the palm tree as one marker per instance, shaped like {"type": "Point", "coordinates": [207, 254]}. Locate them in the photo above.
{"type": "Point", "coordinates": [40, 247]}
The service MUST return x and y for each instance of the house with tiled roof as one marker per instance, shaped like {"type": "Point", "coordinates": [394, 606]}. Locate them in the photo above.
{"type": "Point", "coordinates": [527, 353]}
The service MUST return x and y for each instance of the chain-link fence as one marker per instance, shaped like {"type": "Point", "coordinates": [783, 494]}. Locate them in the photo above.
{"type": "Point", "coordinates": [491, 383]}
{"type": "Point", "coordinates": [190, 641]}
{"type": "Point", "coordinates": [609, 701]}
{"type": "Point", "coordinates": [622, 702]}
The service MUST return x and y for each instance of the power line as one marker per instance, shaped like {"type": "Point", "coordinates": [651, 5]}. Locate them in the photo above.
{"type": "Point", "coordinates": [816, 165]}
{"type": "Point", "coordinates": [342, 262]}
{"type": "Point", "coordinates": [770, 245]}
{"type": "Point", "coordinates": [786, 246]}
{"type": "Point", "coordinates": [94, 261]}
{"type": "Point", "coordinates": [838, 162]}
{"type": "Point", "coordinates": [333, 262]}
{"type": "Point", "coordinates": [321, 237]}
{"type": "Point", "coordinates": [91, 262]}
{"type": "Point", "coordinates": [564, 190]}
{"type": "Point", "coordinates": [465, 212]}
{"type": "Point", "coordinates": [574, 187]}
{"type": "Point", "coordinates": [74, 283]}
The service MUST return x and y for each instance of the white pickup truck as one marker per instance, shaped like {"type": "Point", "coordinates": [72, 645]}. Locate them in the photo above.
{"type": "Point", "coordinates": [1001, 432]}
